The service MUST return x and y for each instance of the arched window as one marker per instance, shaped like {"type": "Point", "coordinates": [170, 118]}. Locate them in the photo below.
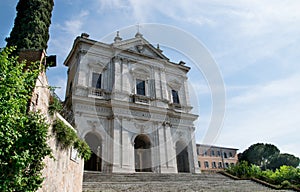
{"type": "Point", "coordinates": [213, 165]}
{"type": "Point", "coordinates": [206, 165]}
{"type": "Point", "coordinates": [220, 165]}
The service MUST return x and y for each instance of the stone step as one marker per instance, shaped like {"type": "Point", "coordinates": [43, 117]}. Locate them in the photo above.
{"type": "Point", "coordinates": [96, 182]}
{"type": "Point", "coordinates": [122, 177]}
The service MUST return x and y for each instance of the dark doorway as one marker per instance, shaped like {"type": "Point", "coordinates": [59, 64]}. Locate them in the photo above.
{"type": "Point", "coordinates": [95, 144]}
{"type": "Point", "coordinates": [142, 154]}
{"type": "Point", "coordinates": [182, 158]}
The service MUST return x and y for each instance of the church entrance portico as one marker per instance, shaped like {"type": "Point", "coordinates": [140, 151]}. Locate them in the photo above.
{"type": "Point", "coordinates": [142, 153]}
{"type": "Point", "coordinates": [95, 143]}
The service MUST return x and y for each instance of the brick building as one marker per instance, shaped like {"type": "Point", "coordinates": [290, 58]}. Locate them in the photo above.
{"type": "Point", "coordinates": [215, 158]}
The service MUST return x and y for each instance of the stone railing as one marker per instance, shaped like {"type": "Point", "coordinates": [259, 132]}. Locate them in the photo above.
{"type": "Point", "coordinates": [179, 107]}
{"type": "Point", "coordinates": [98, 93]}
{"type": "Point", "coordinates": [140, 99]}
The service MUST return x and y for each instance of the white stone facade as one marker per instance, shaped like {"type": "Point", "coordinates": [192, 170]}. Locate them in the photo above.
{"type": "Point", "coordinates": [131, 105]}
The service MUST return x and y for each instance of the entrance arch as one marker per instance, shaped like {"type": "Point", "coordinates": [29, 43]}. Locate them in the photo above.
{"type": "Point", "coordinates": [142, 153]}
{"type": "Point", "coordinates": [182, 157]}
{"type": "Point", "coordinates": [95, 143]}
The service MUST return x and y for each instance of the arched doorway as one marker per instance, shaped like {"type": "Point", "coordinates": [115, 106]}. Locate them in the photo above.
{"type": "Point", "coordinates": [95, 144]}
{"type": "Point", "coordinates": [142, 153]}
{"type": "Point", "coordinates": [182, 158]}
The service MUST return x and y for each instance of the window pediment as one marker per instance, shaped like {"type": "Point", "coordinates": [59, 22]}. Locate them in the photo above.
{"type": "Point", "coordinates": [97, 66]}
{"type": "Point", "coordinates": [175, 84]}
{"type": "Point", "coordinates": [140, 72]}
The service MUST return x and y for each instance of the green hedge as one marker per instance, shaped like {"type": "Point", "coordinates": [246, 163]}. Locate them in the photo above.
{"type": "Point", "coordinates": [285, 176]}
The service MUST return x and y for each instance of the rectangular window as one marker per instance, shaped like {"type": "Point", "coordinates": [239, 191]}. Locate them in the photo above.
{"type": "Point", "coordinates": [140, 87]}
{"type": "Point", "coordinates": [199, 164]}
{"type": "Point", "coordinates": [175, 96]}
{"type": "Point", "coordinates": [212, 153]}
{"type": "Point", "coordinates": [96, 80]}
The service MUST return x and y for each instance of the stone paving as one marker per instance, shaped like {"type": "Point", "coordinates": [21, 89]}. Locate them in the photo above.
{"type": "Point", "coordinates": [144, 182]}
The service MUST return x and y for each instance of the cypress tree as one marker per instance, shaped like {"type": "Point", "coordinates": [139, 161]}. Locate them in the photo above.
{"type": "Point", "coordinates": [31, 26]}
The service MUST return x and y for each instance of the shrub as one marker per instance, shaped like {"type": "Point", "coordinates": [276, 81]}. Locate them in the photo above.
{"type": "Point", "coordinates": [285, 176]}
{"type": "Point", "coordinates": [241, 169]}
{"type": "Point", "coordinates": [286, 184]}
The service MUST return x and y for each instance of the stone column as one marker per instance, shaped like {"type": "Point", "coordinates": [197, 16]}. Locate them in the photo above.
{"type": "Point", "coordinates": [117, 87]}
{"type": "Point", "coordinates": [126, 78]}
{"type": "Point", "coordinates": [82, 77]}
{"type": "Point", "coordinates": [186, 93]}
{"type": "Point", "coordinates": [127, 148]}
{"type": "Point", "coordinates": [167, 150]}
{"type": "Point", "coordinates": [194, 164]}
{"type": "Point", "coordinates": [164, 88]}
{"type": "Point", "coordinates": [123, 151]}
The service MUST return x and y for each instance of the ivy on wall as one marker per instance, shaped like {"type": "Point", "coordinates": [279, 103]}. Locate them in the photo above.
{"type": "Point", "coordinates": [23, 134]}
{"type": "Point", "coordinates": [67, 138]}
{"type": "Point", "coordinates": [65, 135]}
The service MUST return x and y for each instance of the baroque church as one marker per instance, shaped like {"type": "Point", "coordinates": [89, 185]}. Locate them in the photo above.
{"type": "Point", "coordinates": [130, 103]}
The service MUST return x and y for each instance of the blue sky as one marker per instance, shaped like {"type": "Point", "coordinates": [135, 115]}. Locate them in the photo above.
{"type": "Point", "coordinates": [255, 44]}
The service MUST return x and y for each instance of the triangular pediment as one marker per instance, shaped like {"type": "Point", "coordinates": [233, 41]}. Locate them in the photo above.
{"type": "Point", "coordinates": [139, 45]}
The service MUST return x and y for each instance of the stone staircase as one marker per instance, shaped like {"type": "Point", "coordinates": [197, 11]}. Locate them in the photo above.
{"type": "Point", "coordinates": [144, 182]}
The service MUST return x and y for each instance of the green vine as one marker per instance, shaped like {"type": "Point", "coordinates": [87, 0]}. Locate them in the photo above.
{"type": "Point", "coordinates": [54, 105]}
{"type": "Point", "coordinates": [67, 138]}
{"type": "Point", "coordinates": [23, 134]}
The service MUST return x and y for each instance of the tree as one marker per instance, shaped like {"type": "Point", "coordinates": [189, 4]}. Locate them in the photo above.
{"type": "Point", "coordinates": [23, 134]}
{"type": "Point", "coordinates": [31, 27]}
{"type": "Point", "coordinates": [260, 154]}
{"type": "Point", "coordinates": [284, 159]}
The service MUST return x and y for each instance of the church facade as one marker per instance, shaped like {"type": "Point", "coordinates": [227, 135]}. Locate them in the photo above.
{"type": "Point", "coordinates": [130, 103]}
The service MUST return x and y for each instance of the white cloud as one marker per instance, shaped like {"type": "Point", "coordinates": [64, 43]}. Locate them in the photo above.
{"type": "Point", "coordinates": [284, 89]}
{"type": "Point", "coordinates": [246, 31]}
{"type": "Point", "coordinates": [265, 113]}
{"type": "Point", "coordinates": [112, 4]}
{"type": "Point", "coordinates": [73, 27]}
